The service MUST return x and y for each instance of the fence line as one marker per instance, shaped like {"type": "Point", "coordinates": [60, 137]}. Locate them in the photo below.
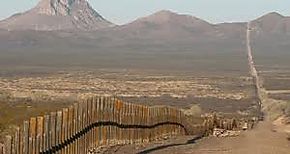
{"type": "Point", "coordinates": [100, 121]}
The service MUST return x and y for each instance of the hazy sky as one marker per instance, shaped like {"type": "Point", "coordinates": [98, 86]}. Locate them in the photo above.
{"type": "Point", "coordinates": [123, 11]}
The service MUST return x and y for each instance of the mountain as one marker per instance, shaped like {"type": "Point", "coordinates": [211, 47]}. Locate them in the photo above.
{"type": "Point", "coordinates": [272, 23]}
{"type": "Point", "coordinates": [167, 25]}
{"type": "Point", "coordinates": [51, 15]}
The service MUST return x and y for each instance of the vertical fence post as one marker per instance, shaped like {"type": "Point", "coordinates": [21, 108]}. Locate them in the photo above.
{"type": "Point", "coordinates": [131, 114]}
{"type": "Point", "coordinates": [143, 123]}
{"type": "Point", "coordinates": [125, 137]}
{"type": "Point", "coordinates": [81, 123]}
{"type": "Point", "coordinates": [46, 135]}
{"type": "Point", "coordinates": [167, 119]}
{"type": "Point", "coordinates": [153, 129]}
{"type": "Point", "coordinates": [108, 114]}
{"type": "Point", "coordinates": [130, 120]}
{"type": "Point", "coordinates": [17, 141]}
{"type": "Point", "coordinates": [118, 116]}
{"type": "Point", "coordinates": [83, 138]}
{"type": "Point", "coordinates": [102, 114]}
{"type": "Point", "coordinates": [176, 120]}
{"type": "Point", "coordinates": [158, 121]}
{"type": "Point", "coordinates": [97, 119]}
{"type": "Point", "coordinates": [76, 127]}
{"type": "Point", "coordinates": [140, 130]}
{"type": "Point", "coordinates": [84, 122]}
{"type": "Point", "coordinates": [93, 120]}
{"type": "Point", "coordinates": [69, 129]}
{"type": "Point", "coordinates": [149, 123]}
{"type": "Point", "coordinates": [90, 122]}
{"type": "Point", "coordinates": [107, 111]}
{"type": "Point", "coordinates": [146, 123]}
{"type": "Point", "coordinates": [140, 123]}
{"type": "Point", "coordinates": [1, 149]}
{"type": "Point", "coordinates": [39, 134]}
{"type": "Point", "coordinates": [92, 114]}
{"type": "Point", "coordinates": [25, 137]}
{"type": "Point", "coordinates": [52, 132]}
{"type": "Point", "coordinates": [162, 117]}
{"type": "Point", "coordinates": [106, 118]}
{"type": "Point", "coordinates": [86, 135]}
{"type": "Point", "coordinates": [32, 136]}
{"type": "Point", "coordinates": [123, 122]}
{"type": "Point", "coordinates": [134, 122]}
{"type": "Point", "coordinates": [64, 129]}
{"type": "Point", "coordinates": [156, 129]}
{"type": "Point", "coordinates": [59, 130]}
{"type": "Point", "coordinates": [8, 145]}
{"type": "Point", "coordinates": [113, 119]}
{"type": "Point", "coordinates": [99, 110]}
{"type": "Point", "coordinates": [171, 118]}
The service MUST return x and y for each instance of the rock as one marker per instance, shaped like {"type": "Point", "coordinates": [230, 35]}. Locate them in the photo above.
{"type": "Point", "coordinates": [225, 133]}
{"type": "Point", "coordinates": [51, 15]}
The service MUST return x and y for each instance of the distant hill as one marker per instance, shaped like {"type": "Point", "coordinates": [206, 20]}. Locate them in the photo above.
{"type": "Point", "coordinates": [169, 26]}
{"type": "Point", "coordinates": [51, 15]}
{"type": "Point", "coordinates": [272, 23]}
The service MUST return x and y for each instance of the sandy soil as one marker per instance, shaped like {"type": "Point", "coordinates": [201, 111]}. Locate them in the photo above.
{"type": "Point", "coordinates": [261, 140]}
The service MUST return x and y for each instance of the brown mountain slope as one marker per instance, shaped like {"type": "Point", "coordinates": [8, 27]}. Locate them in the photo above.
{"type": "Point", "coordinates": [273, 23]}
{"type": "Point", "coordinates": [172, 27]}
{"type": "Point", "coordinates": [167, 25]}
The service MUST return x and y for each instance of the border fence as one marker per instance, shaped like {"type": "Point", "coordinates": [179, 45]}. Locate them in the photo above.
{"type": "Point", "coordinates": [98, 121]}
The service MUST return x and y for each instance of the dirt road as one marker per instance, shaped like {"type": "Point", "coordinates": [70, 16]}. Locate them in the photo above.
{"type": "Point", "coordinates": [251, 63]}
{"type": "Point", "coordinates": [261, 140]}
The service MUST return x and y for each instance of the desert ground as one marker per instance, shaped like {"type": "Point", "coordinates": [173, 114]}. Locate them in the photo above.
{"type": "Point", "coordinates": [25, 95]}
{"type": "Point", "coordinates": [251, 142]}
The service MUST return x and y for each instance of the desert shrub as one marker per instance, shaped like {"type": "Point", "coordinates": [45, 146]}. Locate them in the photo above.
{"type": "Point", "coordinates": [195, 110]}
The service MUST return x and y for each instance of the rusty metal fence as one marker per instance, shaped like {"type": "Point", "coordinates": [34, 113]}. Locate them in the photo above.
{"type": "Point", "coordinates": [94, 122]}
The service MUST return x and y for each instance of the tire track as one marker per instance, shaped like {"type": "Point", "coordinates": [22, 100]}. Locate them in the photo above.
{"type": "Point", "coordinates": [253, 70]}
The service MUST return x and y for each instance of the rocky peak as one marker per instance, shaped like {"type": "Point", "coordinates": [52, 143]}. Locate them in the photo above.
{"type": "Point", "coordinates": [51, 15]}
{"type": "Point", "coordinates": [56, 7]}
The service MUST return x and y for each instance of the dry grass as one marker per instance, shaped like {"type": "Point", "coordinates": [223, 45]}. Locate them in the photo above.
{"type": "Point", "coordinates": [15, 110]}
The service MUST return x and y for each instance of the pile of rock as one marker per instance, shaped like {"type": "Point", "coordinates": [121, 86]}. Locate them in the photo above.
{"type": "Point", "coordinates": [225, 133]}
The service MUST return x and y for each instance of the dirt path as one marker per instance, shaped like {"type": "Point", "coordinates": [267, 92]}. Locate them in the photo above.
{"type": "Point", "coordinates": [251, 63]}
{"type": "Point", "coordinates": [261, 140]}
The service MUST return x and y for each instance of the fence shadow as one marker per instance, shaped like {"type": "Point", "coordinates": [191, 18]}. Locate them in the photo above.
{"type": "Point", "coordinates": [191, 141]}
